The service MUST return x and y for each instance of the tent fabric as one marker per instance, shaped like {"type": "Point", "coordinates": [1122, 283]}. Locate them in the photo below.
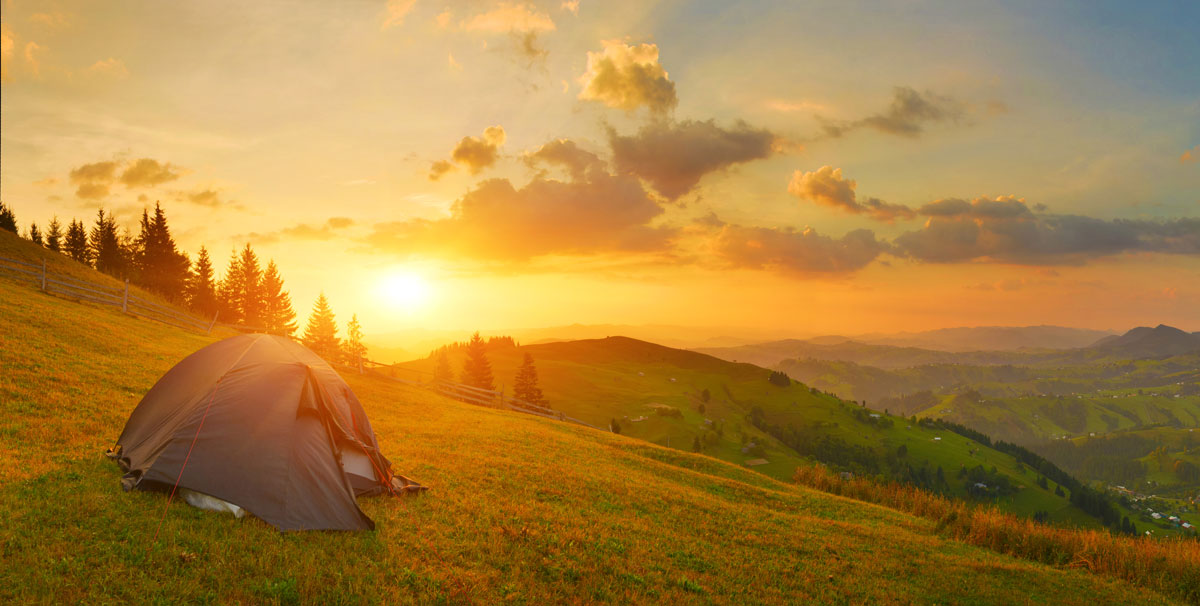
{"type": "Point", "coordinates": [263, 423]}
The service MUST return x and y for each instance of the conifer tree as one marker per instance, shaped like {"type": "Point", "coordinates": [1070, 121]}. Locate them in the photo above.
{"type": "Point", "coordinates": [201, 289]}
{"type": "Point", "coordinates": [104, 244]}
{"type": "Point", "coordinates": [229, 290]}
{"type": "Point", "coordinates": [160, 266]}
{"type": "Point", "coordinates": [250, 297]}
{"type": "Point", "coordinates": [7, 219]}
{"type": "Point", "coordinates": [77, 242]}
{"type": "Point", "coordinates": [35, 235]}
{"type": "Point", "coordinates": [477, 371]}
{"type": "Point", "coordinates": [353, 346]}
{"type": "Point", "coordinates": [525, 386]}
{"type": "Point", "coordinates": [442, 371]}
{"type": "Point", "coordinates": [320, 334]}
{"type": "Point", "coordinates": [278, 316]}
{"type": "Point", "coordinates": [54, 235]}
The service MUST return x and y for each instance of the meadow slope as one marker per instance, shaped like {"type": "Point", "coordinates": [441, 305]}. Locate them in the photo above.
{"type": "Point", "coordinates": [521, 509]}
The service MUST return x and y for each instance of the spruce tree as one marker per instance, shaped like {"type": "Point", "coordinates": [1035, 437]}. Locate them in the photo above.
{"type": "Point", "coordinates": [278, 316]}
{"type": "Point", "coordinates": [525, 386]}
{"type": "Point", "coordinates": [104, 245]}
{"type": "Point", "coordinates": [477, 371]}
{"type": "Point", "coordinates": [353, 346]}
{"type": "Point", "coordinates": [7, 219]}
{"type": "Point", "coordinates": [77, 242]}
{"type": "Point", "coordinates": [54, 235]}
{"type": "Point", "coordinates": [250, 297]}
{"type": "Point", "coordinates": [35, 235]}
{"type": "Point", "coordinates": [320, 335]}
{"type": "Point", "coordinates": [442, 371]}
{"type": "Point", "coordinates": [161, 267]}
{"type": "Point", "coordinates": [201, 289]}
{"type": "Point", "coordinates": [228, 292]}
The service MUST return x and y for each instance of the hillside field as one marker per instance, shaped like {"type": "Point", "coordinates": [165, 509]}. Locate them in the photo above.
{"type": "Point", "coordinates": [523, 510]}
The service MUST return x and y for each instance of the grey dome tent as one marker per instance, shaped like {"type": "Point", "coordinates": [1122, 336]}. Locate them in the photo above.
{"type": "Point", "coordinates": [263, 423]}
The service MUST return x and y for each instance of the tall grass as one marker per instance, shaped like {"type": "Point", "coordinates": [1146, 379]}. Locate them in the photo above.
{"type": "Point", "coordinates": [1168, 566]}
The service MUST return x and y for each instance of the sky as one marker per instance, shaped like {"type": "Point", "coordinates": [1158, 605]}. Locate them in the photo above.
{"type": "Point", "coordinates": [799, 167]}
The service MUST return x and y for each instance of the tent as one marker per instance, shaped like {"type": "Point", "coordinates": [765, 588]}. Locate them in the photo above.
{"type": "Point", "coordinates": [260, 423]}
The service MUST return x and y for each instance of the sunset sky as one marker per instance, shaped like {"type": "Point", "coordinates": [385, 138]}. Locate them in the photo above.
{"type": "Point", "coordinates": [810, 167]}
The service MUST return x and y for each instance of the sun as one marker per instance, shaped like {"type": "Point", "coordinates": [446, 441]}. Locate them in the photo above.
{"type": "Point", "coordinates": [406, 290]}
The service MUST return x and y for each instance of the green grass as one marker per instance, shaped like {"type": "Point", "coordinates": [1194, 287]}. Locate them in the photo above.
{"type": "Point", "coordinates": [522, 510]}
{"type": "Point", "coordinates": [597, 380]}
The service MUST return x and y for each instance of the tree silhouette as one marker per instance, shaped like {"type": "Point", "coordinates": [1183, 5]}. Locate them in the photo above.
{"type": "Point", "coordinates": [159, 264]}
{"type": "Point", "coordinates": [353, 346]}
{"type": "Point", "coordinates": [278, 316]}
{"type": "Point", "coordinates": [105, 245]}
{"type": "Point", "coordinates": [77, 243]}
{"type": "Point", "coordinates": [201, 290]}
{"type": "Point", "coordinates": [7, 219]}
{"type": "Point", "coordinates": [525, 386]}
{"type": "Point", "coordinates": [250, 297]}
{"type": "Point", "coordinates": [320, 335]}
{"type": "Point", "coordinates": [54, 235]}
{"type": "Point", "coordinates": [229, 290]}
{"type": "Point", "coordinates": [442, 371]}
{"type": "Point", "coordinates": [35, 234]}
{"type": "Point", "coordinates": [477, 371]}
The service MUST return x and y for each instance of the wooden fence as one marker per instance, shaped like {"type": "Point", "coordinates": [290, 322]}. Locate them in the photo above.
{"type": "Point", "coordinates": [116, 296]}
{"type": "Point", "coordinates": [469, 394]}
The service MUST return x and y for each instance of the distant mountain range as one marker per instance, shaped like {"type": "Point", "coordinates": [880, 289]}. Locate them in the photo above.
{"type": "Point", "coordinates": [1146, 342]}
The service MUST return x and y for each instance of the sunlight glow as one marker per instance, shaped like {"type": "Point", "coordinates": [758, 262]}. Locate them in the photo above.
{"type": "Point", "coordinates": [406, 290]}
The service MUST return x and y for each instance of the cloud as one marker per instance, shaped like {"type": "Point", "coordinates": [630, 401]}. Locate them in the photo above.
{"type": "Point", "coordinates": [827, 186]}
{"type": "Point", "coordinates": [147, 172]}
{"type": "Point", "coordinates": [300, 231]}
{"type": "Point", "coordinates": [674, 156]}
{"type": "Point", "coordinates": [1005, 230]}
{"type": "Point", "coordinates": [112, 68]}
{"type": "Point", "coordinates": [475, 153]}
{"type": "Point", "coordinates": [30, 49]}
{"type": "Point", "coordinates": [93, 180]}
{"type": "Point", "coordinates": [395, 12]}
{"type": "Point", "coordinates": [627, 77]}
{"type": "Point", "coordinates": [571, 6]}
{"type": "Point", "coordinates": [54, 18]}
{"type": "Point", "coordinates": [907, 116]}
{"type": "Point", "coordinates": [495, 221]}
{"type": "Point", "coordinates": [454, 65]}
{"type": "Point", "coordinates": [205, 197]}
{"type": "Point", "coordinates": [1191, 155]}
{"type": "Point", "coordinates": [508, 17]}
{"type": "Point", "coordinates": [786, 250]}
{"type": "Point", "coordinates": [567, 154]}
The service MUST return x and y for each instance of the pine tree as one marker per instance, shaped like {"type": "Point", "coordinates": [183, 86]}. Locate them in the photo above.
{"type": "Point", "coordinates": [353, 346]}
{"type": "Point", "coordinates": [77, 242]}
{"type": "Point", "coordinates": [442, 371]}
{"type": "Point", "coordinates": [320, 335]}
{"type": "Point", "coordinates": [54, 235]}
{"type": "Point", "coordinates": [250, 297]}
{"type": "Point", "coordinates": [104, 244]}
{"type": "Point", "coordinates": [477, 371]}
{"type": "Point", "coordinates": [228, 292]}
{"type": "Point", "coordinates": [7, 219]}
{"type": "Point", "coordinates": [525, 386]}
{"type": "Point", "coordinates": [278, 316]}
{"type": "Point", "coordinates": [35, 234]}
{"type": "Point", "coordinates": [161, 267]}
{"type": "Point", "coordinates": [201, 290]}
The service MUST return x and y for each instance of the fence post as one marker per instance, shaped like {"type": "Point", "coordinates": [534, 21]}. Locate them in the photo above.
{"type": "Point", "coordinates": [125, 300]}
{"type": "Point", "coordinates": [43, 275]}
{"type": "Point", "coordinates": [213, 323]}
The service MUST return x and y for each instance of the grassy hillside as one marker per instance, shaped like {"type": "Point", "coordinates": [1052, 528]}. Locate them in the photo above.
{"type": "Point", "coordinates": [522, 510]}
{"type": "Point", "coordinates": [636, 382]}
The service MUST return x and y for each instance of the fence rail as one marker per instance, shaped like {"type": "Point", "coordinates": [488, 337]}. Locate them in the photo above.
{"type": "Point", "coordinates": [75, 288]}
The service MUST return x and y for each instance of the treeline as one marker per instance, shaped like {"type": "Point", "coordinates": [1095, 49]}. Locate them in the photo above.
{"type": "Point", "coordinates": [1095, 503]}
{"type": "Point", "coordinates": [477, 369]}
{"type": "Point", "coordinates": [247, 295]}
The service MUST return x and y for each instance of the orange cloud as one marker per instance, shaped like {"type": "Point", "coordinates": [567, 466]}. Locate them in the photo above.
{"type": "Point", "coordinates": [1191, 155]}
{"type": "Point", "coordinates": [674, 156]}
{"type": "Point", "coordinates": [627, 77]}
{"type": "Point", "coordinates": [475, 153]}
{"type": "Point", "coordinates": [395, 12]}
{"type": "Point", "coordinates": [147, 172]}
{"type": "Point", "coordinates": [786, 250]}
{"type": "Point", "coordinates": [510, 18]}
{"type": "Point", "coordinates": [827, 186]}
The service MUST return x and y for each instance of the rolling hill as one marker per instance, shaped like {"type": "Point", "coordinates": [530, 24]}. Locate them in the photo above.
{"type": "Point", "coordinates": [522, 509]}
